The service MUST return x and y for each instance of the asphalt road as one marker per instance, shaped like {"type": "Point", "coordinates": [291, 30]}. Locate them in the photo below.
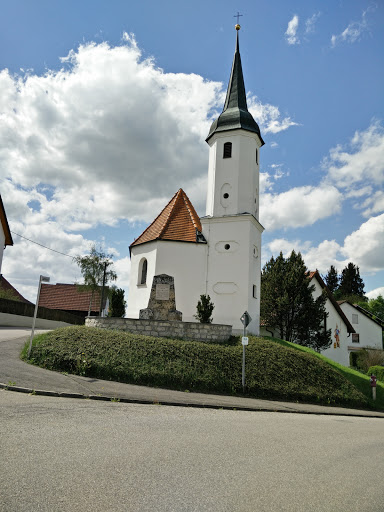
{"type": "Point", "coordinates": [60, 454]}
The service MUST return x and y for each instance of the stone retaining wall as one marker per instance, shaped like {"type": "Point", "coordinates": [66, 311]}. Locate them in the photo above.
{"type": "Point", "coordinates": [165, 328]}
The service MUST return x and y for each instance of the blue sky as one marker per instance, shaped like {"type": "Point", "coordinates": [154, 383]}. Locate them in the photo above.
{"type": "Point", "coordinates": [105, 107]}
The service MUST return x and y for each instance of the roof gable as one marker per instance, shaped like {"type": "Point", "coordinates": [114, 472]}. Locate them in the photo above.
{"type": "Point", "coordinates": [6, 285]}
{"type": "Point", "coordinates": [178, 221]}
{"type": "Point", "coordinates": [4, 224]}
{"type": "Point", "coordinates": [365, 312]}
{"type": "Point", "coordinates": [315, 274]}
{"type": "Point", "coordinates": [68, 297]}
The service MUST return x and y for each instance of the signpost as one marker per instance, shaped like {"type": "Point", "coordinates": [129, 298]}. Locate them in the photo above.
{"type": "Point", "coordinates": [245, 320]}
{"type": "Point", "coordinates": [43, 279]}
{"type": "Point", "coordinates": [373, 385]}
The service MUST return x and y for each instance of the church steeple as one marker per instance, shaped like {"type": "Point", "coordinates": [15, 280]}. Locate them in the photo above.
{"type": "Point", "coordinates": [235, 113]}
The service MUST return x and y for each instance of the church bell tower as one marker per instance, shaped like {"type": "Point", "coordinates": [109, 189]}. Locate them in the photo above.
{"type": "Point", "coordinates": [231, 224]}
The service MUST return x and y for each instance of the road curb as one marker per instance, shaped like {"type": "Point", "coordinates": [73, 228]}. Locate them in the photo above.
{"type": "Point", "coordinates": [104, 398]}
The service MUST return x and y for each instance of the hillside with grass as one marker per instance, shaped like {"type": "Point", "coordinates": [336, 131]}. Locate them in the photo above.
{"type": "Point", "coordinates": [275, 369]}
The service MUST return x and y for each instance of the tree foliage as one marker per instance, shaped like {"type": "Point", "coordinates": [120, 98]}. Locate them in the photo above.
{"type": "Point", "coordinates": [287, 302]}
{"type": "Point", "coordinates": [204, 309]}
{"type": "Point", "coordinates": [117, 303]}
{"type": "Point", "coordinates": [93, 267]}
{"type": "Point", "coordinates": [332, 279]}
{"type": "Point", "coordinates": [8, 294]}
{"type": "Point", "coordinates": [351, 284]}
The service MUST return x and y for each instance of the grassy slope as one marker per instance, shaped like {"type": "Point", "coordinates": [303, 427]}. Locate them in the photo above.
{"type": "Point", "coordinates": [275, 369]}
{"type": "Point", "coordinates": [359, 380]}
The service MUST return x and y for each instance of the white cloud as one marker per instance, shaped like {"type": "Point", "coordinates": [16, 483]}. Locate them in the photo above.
{"type": "Point", "coordinates": [291, 32]}
{"type": "Point", "coordinates": [365, 247]}
{"type": "Point", "coordinates": [310, 23]}
{"type": "Point", "coordinates": [359, 168]}
{"type": "Point", "coordinates": [274, 144]}
{"type": "Point", "coordinates": [354, 30]}
{"type": "Point", "coordinates": [268, 116]}
{"type": "Point", "coordinates": [373, 294]}
{"type": "Point", "coordinates": [299, 207]}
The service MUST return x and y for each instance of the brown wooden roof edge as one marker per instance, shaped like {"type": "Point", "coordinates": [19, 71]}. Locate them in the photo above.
{"type": "Point", "coordinates": [317, 275]}
{"type": "Point", "coordinates": [5, 225]}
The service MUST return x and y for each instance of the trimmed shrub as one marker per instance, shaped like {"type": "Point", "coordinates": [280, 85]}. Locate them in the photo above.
{"type": "Point", "coordinates": [378, 371]}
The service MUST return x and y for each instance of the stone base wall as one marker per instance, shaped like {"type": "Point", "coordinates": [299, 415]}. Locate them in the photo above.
{"type": "Point", "coordinates": [165, 328]}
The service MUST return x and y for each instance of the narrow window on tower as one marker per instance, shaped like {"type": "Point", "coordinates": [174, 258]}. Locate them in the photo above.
{"type": "Point", "coordinates": [257, 157]}
{"type": "Point", "coordinates": [227, 153]}
{"type": "Point", "coordinates": [254, 291]}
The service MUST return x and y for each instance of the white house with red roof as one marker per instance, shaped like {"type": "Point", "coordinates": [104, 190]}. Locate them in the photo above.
{"type": "Point", "coordinates": [218, 254]}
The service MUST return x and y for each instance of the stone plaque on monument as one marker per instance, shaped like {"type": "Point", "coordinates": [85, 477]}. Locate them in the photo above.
{"type": "Point", "coordinates": [162, 302]}
{"type": "Point", "coordinates": [162, 291]}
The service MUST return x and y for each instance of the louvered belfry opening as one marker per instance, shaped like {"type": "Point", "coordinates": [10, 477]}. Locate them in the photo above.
{"type": "Point", "coordinates": [227, 153]}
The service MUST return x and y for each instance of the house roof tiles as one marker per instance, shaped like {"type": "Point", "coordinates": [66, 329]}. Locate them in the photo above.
{"type": "Point", "coordinates": [178, 221]}
{"type": "Point", "coordinates": [68, 297]}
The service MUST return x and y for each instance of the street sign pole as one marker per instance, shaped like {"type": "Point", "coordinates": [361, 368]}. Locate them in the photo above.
{"type": "Point", "coordinates": [245, 320]}
{"type": "Point", "coordinates": [243, 373]}
{"type": "Point", "coordinates": [43, 279]}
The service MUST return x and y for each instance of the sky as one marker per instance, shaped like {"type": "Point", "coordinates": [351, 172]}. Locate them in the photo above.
{"type": "Point", "coordinates": [105, 107]}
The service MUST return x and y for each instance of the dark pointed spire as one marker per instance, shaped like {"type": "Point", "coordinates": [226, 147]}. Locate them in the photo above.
{"type": "Point", "coordinates": [235, 113]}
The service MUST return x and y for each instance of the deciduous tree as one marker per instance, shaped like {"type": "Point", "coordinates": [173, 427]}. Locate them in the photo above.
{"type": "Point", "coordinates": [94, 269]}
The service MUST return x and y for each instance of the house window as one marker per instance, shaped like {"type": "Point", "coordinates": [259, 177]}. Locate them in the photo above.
{"type": "Point", "coordinates": [355, 337]}
{"type": "Point", "coordinates": [227, 153]}
{"type": "Point", "coordinates": [254, 291]}
{"type": "Point", "coordinates": [143, 266]}
{"type": "Point", "coordinates": [355, 318]}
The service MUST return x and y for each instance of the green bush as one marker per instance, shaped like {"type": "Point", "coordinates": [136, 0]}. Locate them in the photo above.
{"type": "Point", "coordinates": [378, 371]}
{"type": "Point", "coordinates": [273, 371]}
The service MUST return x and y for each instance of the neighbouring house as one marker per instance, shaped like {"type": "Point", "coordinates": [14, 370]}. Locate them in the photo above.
{"type": "Point", "coordinates": [341, 328]}
{"type": "Point", "coordinates": [368, 330]}
{"type": "Point", "coordinates": [6, 285]}
{"type": "Point", "coordinates": [68, 297]}
{"type": "Point", "coordinates": [5, 233]}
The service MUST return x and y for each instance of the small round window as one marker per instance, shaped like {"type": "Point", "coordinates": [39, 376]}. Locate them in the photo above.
{"type": "Point", "coordinates": [227, 247]}
{"type": "Point", "coordinates": [226, 195]}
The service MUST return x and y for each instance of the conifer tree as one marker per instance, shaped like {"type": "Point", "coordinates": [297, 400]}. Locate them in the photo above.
{"type": "Point", "coordinates": [351, 285]}
{"type": "Point", "coordinates": [117, 302]}
{"type": "Point", "coordinates": [332, 279]}
{"type": "Point", "coordinates": [287, 302]}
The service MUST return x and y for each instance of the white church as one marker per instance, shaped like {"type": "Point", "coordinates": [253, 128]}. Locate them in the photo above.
{"type": "Point", "coordinates": [218, 254]}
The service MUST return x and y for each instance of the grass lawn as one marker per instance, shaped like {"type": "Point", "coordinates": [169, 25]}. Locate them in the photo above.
{"type": "Point", "coordinates": [275, 369]}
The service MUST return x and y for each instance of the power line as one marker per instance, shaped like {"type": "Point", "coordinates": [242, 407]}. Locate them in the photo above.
{"type": "Point", "coordinates": [41, 245]}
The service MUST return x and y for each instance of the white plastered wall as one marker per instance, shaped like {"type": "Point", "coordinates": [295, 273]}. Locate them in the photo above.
{"type": "Point", "coordinates": [370, 333]}
{"type": "Point", "coordinates": [237, 176]}
{"type": "Point", "coordinates": [184, 261]}
{"type": "Point", "coordinates": [338, 354]}
{"type": "Point", "coordinates": [232, 272]}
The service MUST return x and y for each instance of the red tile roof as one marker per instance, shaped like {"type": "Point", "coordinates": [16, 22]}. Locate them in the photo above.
{"type": "Point", "coordinates": [177, 221]}
{"type": "Point", "coordinates": [6, 285]}
{"type": "Point", "coordinates": [67, 297]}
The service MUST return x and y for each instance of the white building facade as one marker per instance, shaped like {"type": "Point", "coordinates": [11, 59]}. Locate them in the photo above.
{"type": "Point", "coordinates": [218, 254]}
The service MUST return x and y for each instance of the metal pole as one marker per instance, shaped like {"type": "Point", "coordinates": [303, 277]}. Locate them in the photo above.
{"type": "Point", "coordinates": [243, 372]}
{"type": "Point", "coordinates": [46, 280]}
{"type": "Point", "coordinates": [102, 289]}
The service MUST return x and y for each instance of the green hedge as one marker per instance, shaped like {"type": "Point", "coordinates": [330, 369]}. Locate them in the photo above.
{"type": "Point", "coordinates": [378, 371]}
{"type": "Point", "coordinates": [272, 371]}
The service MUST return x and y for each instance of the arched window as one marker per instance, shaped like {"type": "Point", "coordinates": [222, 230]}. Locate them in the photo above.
{"type": "Point", "coordinates": [143, 266]}
{"type": "Point", "coordinates": [227, 153]}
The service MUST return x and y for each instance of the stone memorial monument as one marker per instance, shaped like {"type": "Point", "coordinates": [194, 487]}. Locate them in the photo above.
{"type": "Point", "coordinates": [162, 302]}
